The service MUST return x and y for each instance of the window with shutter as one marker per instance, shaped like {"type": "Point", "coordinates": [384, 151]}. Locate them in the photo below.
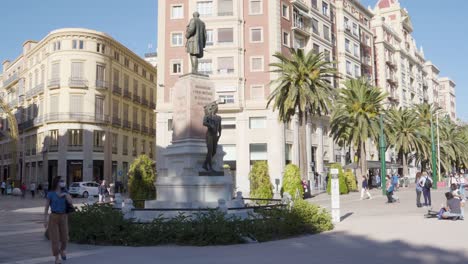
{"type": "Point", "coordinates": [77, 70]}
{"type": "Point", "coordinates": [100, 72]}
{"type": "Point", "coordinates": [99, 107]}
{"type": "Point", "coordinates": [54, 104]}
{"type": "Point", "coordinates": [55, 71]}
{"type": "Point", "coordinates": [225, 65]}
{"type": "Point", "coordinates": [225, 35]}
{"type": "Point", "coordinates": [256, 64]}
{"type": "Point", "coordinates": [76, 104]}
{"type": "Point", "coordinates": [255, 7]}
{"type": "Point", "coordinates": [225, 8]}
{"type": "Point", "coordinates": [115, 108]}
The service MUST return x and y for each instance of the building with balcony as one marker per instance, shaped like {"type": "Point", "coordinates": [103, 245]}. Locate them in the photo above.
{"type": "Point", "coordinates": [431, 94]}
{"type": "Point", "coordinates": [401, 65]}
{"type": "Point", "coordinates": [242, 37]}
{"type": "Point", "coordinates": [69, 92]}
{"type": "Point", "coordinates": [447, 97]}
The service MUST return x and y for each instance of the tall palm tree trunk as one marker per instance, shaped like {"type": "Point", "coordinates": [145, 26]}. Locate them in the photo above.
{"type": "Point", "coordinates": [405, 165]}
{"type": "Point", "coordinates": [303, 150]}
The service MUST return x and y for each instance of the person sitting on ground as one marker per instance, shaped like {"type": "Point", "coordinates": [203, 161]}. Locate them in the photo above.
{"type": "Point", "coordinates": [453, 208]}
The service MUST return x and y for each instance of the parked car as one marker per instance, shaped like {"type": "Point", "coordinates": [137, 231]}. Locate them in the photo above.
{"type": "Point", "coordinates": [84, 189]}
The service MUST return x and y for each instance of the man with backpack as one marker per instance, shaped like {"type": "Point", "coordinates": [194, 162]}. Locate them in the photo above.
{"type": "Point", "coordinates": [426, 183]}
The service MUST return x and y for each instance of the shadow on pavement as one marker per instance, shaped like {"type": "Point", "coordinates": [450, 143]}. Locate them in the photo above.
{"type": "Point", "coordinates": [333, 248]}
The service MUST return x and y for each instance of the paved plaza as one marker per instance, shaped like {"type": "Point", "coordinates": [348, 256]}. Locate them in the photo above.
{"type": "Point", "coordinates": [371, 232]}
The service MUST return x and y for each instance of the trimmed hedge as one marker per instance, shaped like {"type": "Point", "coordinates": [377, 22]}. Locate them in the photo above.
{"type": "Point", "coordinates": [350, 181]}
{"type": "Point", "coordinates": [341, 178]}
{"type": "Point", "coordinates": [292, 181]}
{"type": "Point", "coordinates": [100, 224]}
{"type": "Point", "coordinates": [260, 184]}
{"type": "Point", "coordinates": [141, 180]}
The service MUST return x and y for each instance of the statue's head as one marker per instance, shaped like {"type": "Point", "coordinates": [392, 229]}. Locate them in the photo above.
{"type": "Point", "coordinates": [211, 108]}
{"type": "Point", "coordinates": [196, 14]}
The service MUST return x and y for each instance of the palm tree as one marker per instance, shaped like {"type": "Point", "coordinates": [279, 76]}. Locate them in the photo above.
{"type": "Point", "coordinates": [425, 113]}
{"type": "Point", "coordinates": [356, 112]}
{"type": "Point", "coordinates": [452, 144]}
{"type": "Point", "coordinates": [13, 134]}
{"type": "Point", "coordinates": [405, 134]}
{"type": "Point", "coordinates": [303, 89]}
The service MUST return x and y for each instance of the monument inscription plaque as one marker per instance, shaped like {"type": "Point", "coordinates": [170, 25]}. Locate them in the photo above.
{"type": "Point", "coordinates": [189, 99]}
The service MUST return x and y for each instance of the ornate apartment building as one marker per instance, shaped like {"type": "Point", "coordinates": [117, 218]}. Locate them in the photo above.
{"type": "Point", "coordinates": [84, 105]}
{"type": "Point", "coordinates": [402, 69]}
{"type": "Point", "coordinates": [447, 97]}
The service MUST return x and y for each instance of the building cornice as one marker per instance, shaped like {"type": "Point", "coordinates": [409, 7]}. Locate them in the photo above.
{"type": "Point", "coordinates": [84, 32]}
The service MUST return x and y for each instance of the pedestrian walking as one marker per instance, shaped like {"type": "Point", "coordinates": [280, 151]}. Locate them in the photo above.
{"type": "Point", "coordinates": [32, 188]}
{"type": "Point", "coordinates": [40, 190]}
{"type": "Point", "coordinates": [395, 181]}
{"type": "Point", "coordinates": [419, 189]}
{"type": "Point", "coordinates": [426, 183]}
{"type": "Point", "coordinates": [365, 188]}
{"type": "Point", "coordinates": [3, 187]}
{"type": "Point", "coordinates": [57, 222]}
{"type": "Point", "coordinates": [461, 186]}
{"type": "Point", "coordinates": [23, 190]}
{"type": "Point", "coordinates": [389, 189]}
{"type": "Point", "coordinates": [102, 191]}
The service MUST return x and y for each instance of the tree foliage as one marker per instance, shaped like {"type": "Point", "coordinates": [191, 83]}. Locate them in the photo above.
{"type": "Point", "coordinates": [260, 184]}
{"type": "Point", "coordinates": [292, 182]}
{"type": "Point", "coordinates": [141, 179]}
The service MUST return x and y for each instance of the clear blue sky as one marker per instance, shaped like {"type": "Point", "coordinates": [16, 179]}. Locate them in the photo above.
{"type": "Point", "coordinates": [439, 28]}
{"type": "Point", "coordinates": [131, 22]}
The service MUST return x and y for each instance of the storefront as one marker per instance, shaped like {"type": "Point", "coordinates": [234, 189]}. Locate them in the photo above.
{"type": "Point", "coordinates": [75, 171]}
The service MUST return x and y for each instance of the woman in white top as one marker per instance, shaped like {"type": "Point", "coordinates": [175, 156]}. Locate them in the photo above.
{"type": "Point", "coordinates": [461, 185]}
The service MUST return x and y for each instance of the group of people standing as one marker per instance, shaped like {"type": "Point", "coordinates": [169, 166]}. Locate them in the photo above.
{"type": "Point", "coordinates": [40, 189]}
{"type": "Point", "coordinates": [423, 186]}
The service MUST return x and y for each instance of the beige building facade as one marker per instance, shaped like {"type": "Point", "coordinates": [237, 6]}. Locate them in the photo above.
{"type": "Point", "coordinates": [401, 65]}
{"type": "Point", "coordinates": [84, 105]}
{"type": "Point", "coordinates": [447, 97]}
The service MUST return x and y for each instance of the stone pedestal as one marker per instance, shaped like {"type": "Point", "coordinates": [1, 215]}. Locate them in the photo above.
{"type": "Point", "coordinates": [178, 184]}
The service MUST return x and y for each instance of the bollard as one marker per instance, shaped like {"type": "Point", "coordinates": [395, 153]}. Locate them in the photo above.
{"type": "Point", "coordinates": [335, 196]}
{"type": "Point", "coordinates": [127, 208]}
{"type": "Point", "coordinates": [118, 201]}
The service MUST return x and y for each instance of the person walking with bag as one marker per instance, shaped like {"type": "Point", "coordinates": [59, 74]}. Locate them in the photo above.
{"type": "Point", "coordinates": [426, 183]}
{"type": "Point", "coordinates": [59, 203]}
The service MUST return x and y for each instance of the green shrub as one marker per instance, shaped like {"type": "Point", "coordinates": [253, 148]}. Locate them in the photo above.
{"type": "Point", "coordinates": [260, 184]}
{"type": "Point", "coordinates": [292, 181]}
{"type": "Point", "coordinates": [141, 180]}
{"type": "Point", "coordinates": [313, 217]}
{"type": "Point", "coordinates": [341, 178]}
{"type": "Point", "coordinates": [102, 225]}
{"type": "Point", "coordinates": [350, 181]}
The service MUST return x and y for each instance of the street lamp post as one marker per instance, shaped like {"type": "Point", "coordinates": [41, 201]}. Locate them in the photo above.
{"type": "Point", "coordinates": [383, 146]}
{"type": "Point", "coordinates": [438, 146]}
{"type": "Point", "coordinates": [433, 152]}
